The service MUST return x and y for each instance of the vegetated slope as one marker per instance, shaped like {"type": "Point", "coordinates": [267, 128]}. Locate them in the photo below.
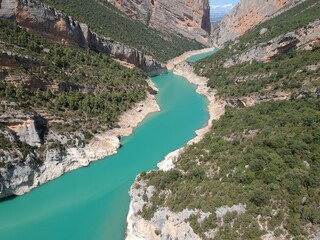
{"type": "Point", "coordinates": [246, 15]}
{"type": "Point", "coordinates": [56, 96]}
{"type": "Point", "coordinates": [53, 24]}
{"type": "Point", "coordinates": [288, 70]}
{"type": "Point", "coordinates": [256, 173]}
{"type": "Point", "coordinates": [71, 70]}
{"type": "Point", "coordinates": [106, 20]}
{"type": "Point", "coordinates": [265, 157]}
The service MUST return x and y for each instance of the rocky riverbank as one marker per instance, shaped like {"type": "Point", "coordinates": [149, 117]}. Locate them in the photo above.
{"type": "Point", "coordinates": [24, 178]}
{"type": "Point", "coordinates": [171, 64]}
{"type": "Point", "coordinates": [215, 109]}
{"type": "Point", "coordinates": [164, 220]}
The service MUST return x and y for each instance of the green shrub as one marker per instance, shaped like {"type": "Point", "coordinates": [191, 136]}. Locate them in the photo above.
{"type": "Point", "coordinates": [264, 172]}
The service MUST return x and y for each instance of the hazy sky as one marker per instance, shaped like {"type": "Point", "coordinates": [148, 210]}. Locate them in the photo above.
{"type": "Point", "coordinates": [222, 6]}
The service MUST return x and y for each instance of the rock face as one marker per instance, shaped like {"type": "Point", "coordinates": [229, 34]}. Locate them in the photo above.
{"type": "Point", "coordinates": [7, 8]}
{"type": "Point", "coordinates": [190, 18]}
{"type": "Point", "coordinates": [165, 224]}
{"type": "Point", "coordinates": [305, 38]}
{"type": "Point", "coordinates": [247, 15]}
{"type": "Point", "coordinates": [57, 26]}
{"type": "Point", "coordinates": [29, 128]}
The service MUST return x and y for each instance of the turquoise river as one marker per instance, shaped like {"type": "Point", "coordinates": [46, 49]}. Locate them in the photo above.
{"type": "Point", "coordinates": [93, 202]}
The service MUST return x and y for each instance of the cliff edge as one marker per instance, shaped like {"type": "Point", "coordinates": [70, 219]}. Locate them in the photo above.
{"type": "Point", "coordinates": [246, 15]}
{"type": "Point", "coordinates": [55, 25]}
{"type": "Point", "coordinates": [188, 18]}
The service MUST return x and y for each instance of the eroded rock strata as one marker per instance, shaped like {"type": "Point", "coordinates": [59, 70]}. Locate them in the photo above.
{"type": "Point", "coordinates": [57, 26]}
{"type": "Point", "coordinates": [190, 18]}
{"type": "Point", "coordinates": [305, 38]}
{"type": "Point", "coordinates": [246, 15]}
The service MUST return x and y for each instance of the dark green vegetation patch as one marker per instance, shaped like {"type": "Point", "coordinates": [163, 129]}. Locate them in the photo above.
{"type": "Point", "coordinates": [290, 72]}
{"type": "Point", "coordinates": [76, 92]}
{"type": "Point", "coordinates": [266, 157]}
{"type": "Point", "coordinates": [287, 72]}
{"type": "Point", "coordinates": [67, 81]}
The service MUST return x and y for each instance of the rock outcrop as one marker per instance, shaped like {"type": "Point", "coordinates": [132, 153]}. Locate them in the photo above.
{"type": "Point", "coordinates": [190, 18]}
{"type": "Point", "coordinates": [306, 38]}
{"type": "Point", "coordinates": [57, 26]}
{"type": "Point", "coordinates": [246, 15]}
{"type": "Point", "coordinates": [12, 60]}
{"type": "Point", "coordinates": [19, 174]}
{"type": "Point", "coordinates": [164, 223]}
{"type": "Point", "coordinates": [30, 128]}
{"type": "Point", "coordinates": [7, 8]}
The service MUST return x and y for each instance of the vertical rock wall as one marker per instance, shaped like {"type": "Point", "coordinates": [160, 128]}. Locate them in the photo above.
{"type": "Point", "coordinates": [190, 18]}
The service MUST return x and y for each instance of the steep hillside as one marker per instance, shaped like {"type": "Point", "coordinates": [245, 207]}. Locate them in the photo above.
{"type": "Point", "coordinates": [255, 175]}
{"type": "Point", "coordinates": [106, 20]}
{"type": "Point", "coordinates": [55, 25]}
{"type": "Point", "coordinates": [272, 57]}
{"type": "Point", "coordinates": [56, 74]}
{"type": "Point", "coordinates": [246, 15]}
{"type": "Point", "coordinates": [188, 18]}
{"type": "Point", "coordinates": [48, 90]}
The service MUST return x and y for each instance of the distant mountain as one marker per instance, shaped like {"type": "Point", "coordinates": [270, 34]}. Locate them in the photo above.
{"type": "Point", "coordinates": [216, 18]}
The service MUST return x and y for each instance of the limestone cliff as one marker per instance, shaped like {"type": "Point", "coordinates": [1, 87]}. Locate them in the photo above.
{"type": "Point", "coordinates": [246, 15]}
{"type": "Point", "coordinates": [29, 128]}
{"type": "Point", "coordinates": [57, 26]}
{"type": "Point", "coordinates": [191, 18]}
{"type": "Point", "coordinates": [165, 224]}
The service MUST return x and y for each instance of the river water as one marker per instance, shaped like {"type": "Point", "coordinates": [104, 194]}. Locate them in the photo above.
{"type": "Point", "coordinates": [197, 57]}
{"type": "Point", "coordinates": [92, 203]}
